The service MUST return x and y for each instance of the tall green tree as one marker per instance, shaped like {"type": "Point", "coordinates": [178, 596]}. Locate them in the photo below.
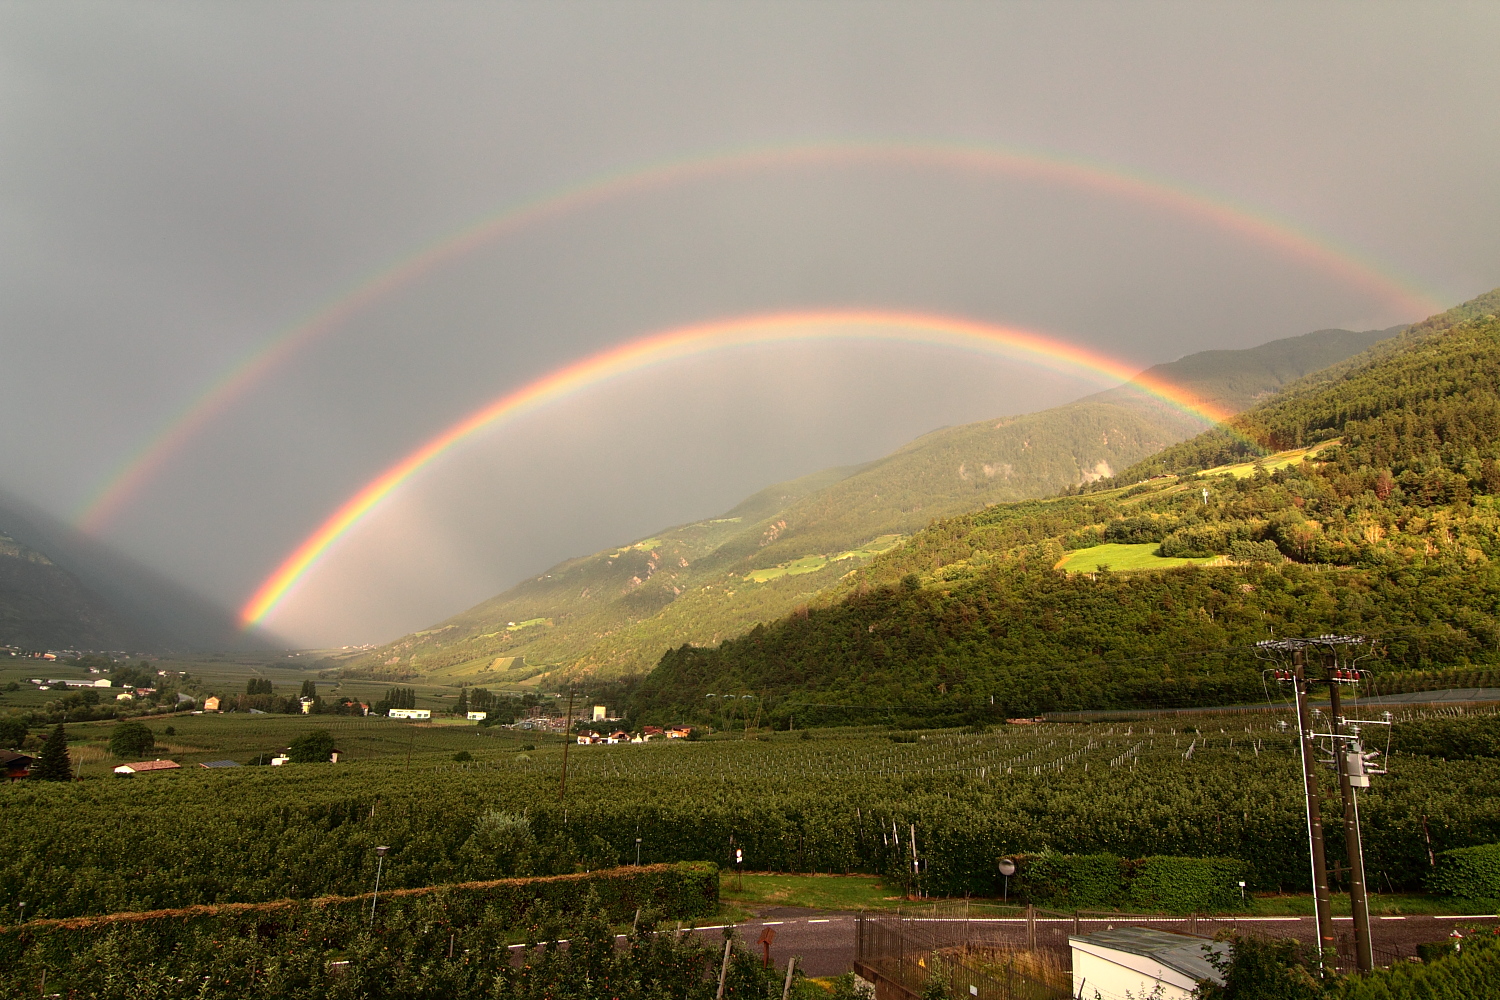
{"type": "Point", "coordinates": [309, 689]}
{"type": "Point", "coordinates": [131, 739]}
{"type": "Point", "coordinates": [462, 708]}
{"type": "Point", "coordinates": [53, 763]}
{"type": "Point", "coordinates": [312, 748]}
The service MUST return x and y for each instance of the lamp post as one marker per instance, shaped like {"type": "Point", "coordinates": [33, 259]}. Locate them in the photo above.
{"type": "Point", "coordinates": [1007, 868]}
{"type": "Point", "coordinates": [638, 852]}
{"type": "Point", "coordinates": [380, 853]}
{"type": "Point", "coordinates": [22, 905]}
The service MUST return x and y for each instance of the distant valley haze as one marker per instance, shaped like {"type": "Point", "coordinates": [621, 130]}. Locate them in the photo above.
{"type": "Point", "coordinates": [256, 256]}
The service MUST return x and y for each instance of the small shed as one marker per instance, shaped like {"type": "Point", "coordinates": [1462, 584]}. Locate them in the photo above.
{"type": "Point", "coordinates": [140, 767]}
{"type": "Point", "coordinates": [478, 716]}
{"type": "Point", "coordinates": [16, 765]}
{"type": "Point", "coordinates": [211, 704]}
{"type": "Point", "coordinates": [1136, 961]}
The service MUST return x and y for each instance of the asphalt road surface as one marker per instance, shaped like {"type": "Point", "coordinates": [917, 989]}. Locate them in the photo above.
{"type": "Point", "coordinates": [824, 941]}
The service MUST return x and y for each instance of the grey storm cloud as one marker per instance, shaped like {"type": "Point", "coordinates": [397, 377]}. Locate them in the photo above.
{"type": "Point", "coordinates": [180, 184]}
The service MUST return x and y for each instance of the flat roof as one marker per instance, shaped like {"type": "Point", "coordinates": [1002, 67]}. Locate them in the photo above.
{"type": "Point", "coordinates": [1186, 953]}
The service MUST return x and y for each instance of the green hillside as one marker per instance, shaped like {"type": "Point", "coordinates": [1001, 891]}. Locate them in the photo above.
{"type": "Point", "coordinates": [614, 612]}
{"type": "Point", "coordinates": [43, 606]}
{"type": "Point", "coordinates": [1391, 528]}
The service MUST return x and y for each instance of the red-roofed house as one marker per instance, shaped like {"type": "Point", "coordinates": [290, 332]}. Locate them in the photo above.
{"type": "Point", "coordinates": [17, 765]}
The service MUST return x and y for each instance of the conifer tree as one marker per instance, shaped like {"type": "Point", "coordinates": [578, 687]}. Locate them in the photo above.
{"type": "Point", "coordinates": [462, 708]}
{"type": "Point", "coordinates": [53, 763]}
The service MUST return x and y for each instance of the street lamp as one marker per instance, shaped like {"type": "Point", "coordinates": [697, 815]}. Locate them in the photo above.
{"type": "Point", "coordinates": [638, 852]}
{"type": "Point", "coordinates": [380, 853]}
{"type": "Point", "coordinates": [1007, 868]}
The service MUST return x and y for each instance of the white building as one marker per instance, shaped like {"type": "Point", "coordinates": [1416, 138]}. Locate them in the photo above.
{"type": "Point", "coordinates": [1135, 961]}
{"type": "Point", "coordinates": [409, 713]}
{"type": "Point", "coordinates": [478, 716]}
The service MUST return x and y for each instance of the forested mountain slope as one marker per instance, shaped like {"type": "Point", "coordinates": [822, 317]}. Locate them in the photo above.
{"type": "Point", "coordinates": [85, 595]}
{"type": "Point", "coordinates": [614, 612]}
{"type": "Point", "coordinates": [43, 606]}
{"type": "Point", "coordinates": [1391, 529]}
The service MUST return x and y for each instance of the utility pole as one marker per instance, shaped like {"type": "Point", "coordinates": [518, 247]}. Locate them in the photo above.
{"type": "Point", "coordinates": [1327, 945]}
{"type": "Point", "coordinates": [562, 789]}
{"type": "Point", "coordinates": [1358, 899]}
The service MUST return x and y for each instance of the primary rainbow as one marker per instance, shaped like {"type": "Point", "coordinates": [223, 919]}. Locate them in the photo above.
{"type": "Point", "coordinates": [1215, 209]}
{"type": "Point", "coordinates": [689, 341]}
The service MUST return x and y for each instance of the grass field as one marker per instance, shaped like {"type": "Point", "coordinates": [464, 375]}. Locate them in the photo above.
{"type": "Point", "coordinates": [811, 564]}
{"type": "Point", "coordinates": [239, 737]}
{"type": "Point", "coordinates": [1123, 559]}
{"type": "Point", "coordinates": [1280, 460]}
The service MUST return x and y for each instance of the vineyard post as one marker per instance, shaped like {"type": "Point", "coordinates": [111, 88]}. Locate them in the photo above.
{"type": "Point", "coordinates": [380, 853]}
{"type": "Point", "coordinates": [562, 789]}
{"type": "Point", "coordinates": [1321, 903]}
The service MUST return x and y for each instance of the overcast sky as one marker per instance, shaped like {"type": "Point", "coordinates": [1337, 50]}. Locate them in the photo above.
{"type": "Point", "coordinates": [181, 182]}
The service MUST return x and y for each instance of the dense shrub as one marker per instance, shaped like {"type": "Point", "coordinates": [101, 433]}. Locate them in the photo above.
{"type": "Point", "coordinates": [1089, 881]}
{"type": "Point", "coordinates": [1187, 884]}
{"type": "Point", "coordinates": [452, 942]}
{"type": "Point", "coordinates": [131, 740]}
{"type": "Point", "coordinates": [1468, 872]}
{"type": "Point", "coordinates": [1466, 738]}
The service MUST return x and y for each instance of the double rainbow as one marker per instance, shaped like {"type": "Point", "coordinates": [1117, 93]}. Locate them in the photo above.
{"type": "Point", "coordinates": [691, 341]}
{"type": "Point", "coordinates": [1210, 208]}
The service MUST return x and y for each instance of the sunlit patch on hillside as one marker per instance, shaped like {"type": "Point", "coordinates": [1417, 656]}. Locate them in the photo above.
{"type": "Point", "coordinates": [1280, 460]}
{"type": "Point", "coordinates": [813, 563]}
{"type": "Point", "coordinates": [1121, 558]}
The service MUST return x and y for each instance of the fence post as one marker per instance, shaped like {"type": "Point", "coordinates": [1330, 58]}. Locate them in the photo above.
{"type": "Point", "coordinates": [1031, 926]}
{"type": "Point", "coordinates": [1075, 923]}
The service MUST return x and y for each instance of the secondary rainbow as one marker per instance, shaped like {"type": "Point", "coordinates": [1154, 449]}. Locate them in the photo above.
{"type": "Point", "coordinates": [690, 341]}
{"type": "Point", "coordinates": [1211, 208]}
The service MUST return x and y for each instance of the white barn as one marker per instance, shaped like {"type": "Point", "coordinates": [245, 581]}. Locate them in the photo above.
{"type": "Point", "coordinates": [410, 713]}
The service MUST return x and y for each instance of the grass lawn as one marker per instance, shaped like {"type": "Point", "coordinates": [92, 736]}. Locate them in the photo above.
{"type": "Point", "coordinates": [199, 738]}
{"type": "Point", "coordinates": [820, 892]}
{"type": "Point", "coordinates": [1122, 558]}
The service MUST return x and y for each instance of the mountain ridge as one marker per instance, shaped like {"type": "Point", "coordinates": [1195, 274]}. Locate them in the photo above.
{"type": "Point", "coordinates": [1390, 528]}
{"type": "Point", "coordinates": [613, 612]}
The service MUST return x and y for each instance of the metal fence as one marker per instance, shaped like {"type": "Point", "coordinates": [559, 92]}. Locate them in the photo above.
{"type": "Point", "coordinates": [1023, 953]}
{"type": "Point", "coordinates": [1009, 957]}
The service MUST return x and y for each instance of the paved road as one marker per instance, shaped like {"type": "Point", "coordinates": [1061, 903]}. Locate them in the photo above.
{"type": "Point", "coordinates": [824, 941]}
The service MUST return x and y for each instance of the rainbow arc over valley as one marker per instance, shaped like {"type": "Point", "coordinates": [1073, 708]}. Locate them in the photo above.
{"type": "Point", "coordinates": [685, 342]}
{"type": "Point", "coordinates": [1254, 224]}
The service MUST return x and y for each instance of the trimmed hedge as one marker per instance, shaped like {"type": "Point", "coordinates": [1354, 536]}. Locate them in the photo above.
{"type": "Point", "coordinates": [1177, 884]}
{"type": "Point", "coordinates": [1075, 881]}
{"type": "Point", "coordinates": [412, 952]}
{"type": "Point", "coordinates": [1468, 872]}
{"type": "Point", "coordinates": [1090, 881]}
{"type": "Point", "coordinates": [685, 890]}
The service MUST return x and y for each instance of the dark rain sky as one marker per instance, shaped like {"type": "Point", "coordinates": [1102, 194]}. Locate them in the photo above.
{"type": "Point", "coordinates": [179, 182]}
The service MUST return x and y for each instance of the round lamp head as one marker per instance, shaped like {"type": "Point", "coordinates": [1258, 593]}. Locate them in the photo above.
{"type": "Point", "coordinates": [380, 852]}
